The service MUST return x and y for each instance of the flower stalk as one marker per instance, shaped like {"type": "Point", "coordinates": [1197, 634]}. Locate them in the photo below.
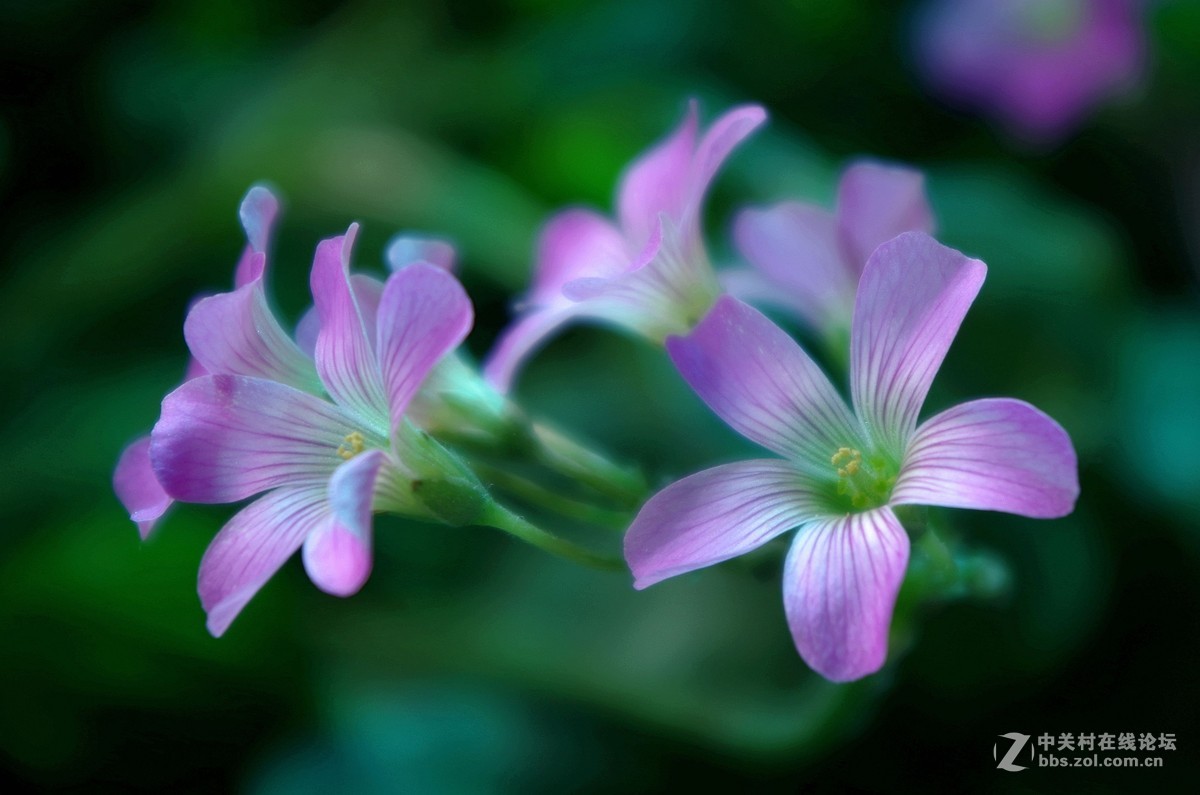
{"type": "Point", "coordinates": [497, 516]}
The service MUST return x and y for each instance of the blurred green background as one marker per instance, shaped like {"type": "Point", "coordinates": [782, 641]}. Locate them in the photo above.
{"type": "Point", "coordinates": [470, 663]}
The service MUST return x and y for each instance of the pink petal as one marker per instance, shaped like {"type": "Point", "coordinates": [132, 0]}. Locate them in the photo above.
{"type": "Point", "coordinates": [258, 212]}
{"type": "Point", "coordinates": [194, 370]}
{"type": "Point", "coordinates": [716, 515]}
{"type": "Point", "coordinates": [996, 455]}
{"type": "Point", "coordinates": [875, 203]}
{"type": "Point", "coordinates": [367, 292]}
{"type": "Point", "coordinates": [404, 250]}
{"type": "Point", "coordinates": [722, 138]}
{"type": "Point", "coordinates": [222, 438]}
{"type": "Point", "coordinates": [795, 246]}
{"type": "Point", "coordinates": [667, 291]}
{"type": "Point", "coordinates": [250, 267]}
{"type": "Point", "coordinates": [912, 298]}
{"type": "Point", "coordinates": [839, 588]}
{"type": "Point", "coordinates": [590, 287]}
{"type": "Point", "coordinates": [337, 555]}
{"type": "Point", "coordinates": [659, 181]}
{"type": "Point", "coordinates": [138, 489]}
{"type": "Point", "coordinates": [344, 351]}
{"type": "Point", "coordinates": [757, 379]}
{"type": "Point", "coordinates": [251, 548]}
{"type": "Point", "coordinates": [423, 315]}
{"type": "Point", "coordinates": [576, 244]}
{"type": "Point", "coordinates": [307, 329]}
{"type": "Point", "coordinates": [236, 333]}
{"type": "Point", "coordinates": [519, 341]}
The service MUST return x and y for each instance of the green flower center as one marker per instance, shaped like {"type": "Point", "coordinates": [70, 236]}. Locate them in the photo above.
{"type": "Point", "coordinates": [863, 482]}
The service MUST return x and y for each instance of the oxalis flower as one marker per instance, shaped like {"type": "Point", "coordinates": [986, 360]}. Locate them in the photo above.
{"type": "Point", "coordinates": [259, 425]}
{"type": "Point", "coordinates": [843, 470]}
{"type": "Point", "coordinates": [648, 273]}
{"type": "Point", "coordinates": [808, 260]}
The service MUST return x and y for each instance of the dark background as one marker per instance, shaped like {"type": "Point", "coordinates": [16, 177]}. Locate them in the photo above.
{"type": "Point", "coordinates": [129, 132]}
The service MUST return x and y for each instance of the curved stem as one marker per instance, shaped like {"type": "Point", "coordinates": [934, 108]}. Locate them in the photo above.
{"type": "Point", "coordinates": [568, 457]}
{"type": "Point", "coordinates": [539, 495]}
{"type": "Point", "coordinates": [499, 517]}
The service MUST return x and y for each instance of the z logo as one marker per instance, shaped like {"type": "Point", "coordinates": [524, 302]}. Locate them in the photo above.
{"type": "Point", "coordinates": [1018, 742]}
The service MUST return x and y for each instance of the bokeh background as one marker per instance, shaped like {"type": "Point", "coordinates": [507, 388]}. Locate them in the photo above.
{"type": "Point", "coordinates": [470, 663]}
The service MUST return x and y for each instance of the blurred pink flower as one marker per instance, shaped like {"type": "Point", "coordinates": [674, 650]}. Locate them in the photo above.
{"type": "Point", "coordinates": [648, 272]}
{"type": "Point", "coordinates": [1039, 66]}
{"type": "Point", "coordinates": [808, 260]}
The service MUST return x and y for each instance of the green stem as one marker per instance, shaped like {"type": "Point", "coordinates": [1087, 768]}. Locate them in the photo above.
{"type": "Point", "coordinates": [563, 455]}
{"type": "Point", "coordinates": [499, 517]}
{"type": "Point", "coordinates": [537, 494]}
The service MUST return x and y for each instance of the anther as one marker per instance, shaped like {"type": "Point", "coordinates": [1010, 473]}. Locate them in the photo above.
{"type": "Point", "coordinates": [353, 445]}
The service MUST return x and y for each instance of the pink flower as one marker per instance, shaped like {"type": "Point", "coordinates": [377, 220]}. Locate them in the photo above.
{"type": "Point", "coordinates": [808, 260]}
{"type": "Point", "coordinates": [257, 424]}
{"type": "Point", "coordinates": [649, 272]}
{"type": "Point", "coordinates": [842, 470]}
{"type": "Point", "coordinates": [1037, 65]}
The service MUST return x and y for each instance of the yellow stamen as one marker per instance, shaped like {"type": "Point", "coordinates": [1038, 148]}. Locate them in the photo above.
{"type": "Point", "coordinates": [842, 455]}
{"type": "Point", "coordinates": [353, 445]}
{"type": "Point", "coordinates": [850, 458]}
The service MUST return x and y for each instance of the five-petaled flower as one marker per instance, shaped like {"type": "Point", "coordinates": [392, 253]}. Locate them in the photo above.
{"type": "Point", "coordinates": [259, 422]}
{"type": "Point", "coordinates": [843, 471]}
{"type": "Point", "coordinates": [648, 273]}
{"type": "Point", "coordinates": [808, 260]}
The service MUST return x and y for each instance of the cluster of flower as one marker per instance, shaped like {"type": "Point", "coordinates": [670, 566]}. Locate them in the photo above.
{"type": "Point", "coordinates": [350, 415]}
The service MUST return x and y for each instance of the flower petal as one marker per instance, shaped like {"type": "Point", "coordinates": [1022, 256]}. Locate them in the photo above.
{"type": "Point", "coordinates": [337, 556]}
{"type": "Point", "coordinates": [236, 333]}
{"type": "Point", "coordinates": [519, 341]}
{"type": "Point", "coordinates": [795, 246]}
{"type": "Point", "coordinates": [995, 455]}
{"type": "Point", "coordinates": [344, 351]}
{"type": "Point", "coordinates": [840, 582]}
{"type": "Point", "coordinates": [367, 292]}
{"type": "Point", "coordinates": [138, 489]}
{"type": "Point", "coordinates": [912, 298]}
{"type": "Point", "coordinates": [757, 379]}
{"type": "Point", "coordinates": [258, 212]}
{"type": "Point", "coordinates": [718, 142]}
{"type": "Point", "coordinates": [251, 548]}
{"type": "Point", "coordinates": [423, 315]}
{"type": "Point", "coordinates": [405, 249]}
{"type": "Point", "coordinates": [576, 244]}
{"type": "Point", "coordinates": [716, 515]}
{"type": "Point", "coordinates": [875, 203]}
{"type": "Point", "coordinates": [659, 181]}
{"type": "Point", "coordinates": [222, 438]}
{"type": "Point", "coordinates": [667, 290]}
{"type": "Point", "coordinates": [307, 330]}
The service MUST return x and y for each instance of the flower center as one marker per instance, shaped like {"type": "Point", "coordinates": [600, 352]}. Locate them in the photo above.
{"type": "Point", "coordinates": [865, 482]}
{"type": "Point", "coordinates": [353, 444]}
